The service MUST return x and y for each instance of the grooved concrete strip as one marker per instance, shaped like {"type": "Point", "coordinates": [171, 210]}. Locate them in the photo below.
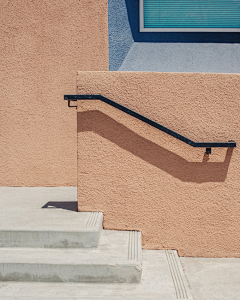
{"type": "Point", "coordinates": [180, 283]}
{"type": "Point", "coordinates": [93, 218]}
{"type": "Point", "coordinates": [134, 245]}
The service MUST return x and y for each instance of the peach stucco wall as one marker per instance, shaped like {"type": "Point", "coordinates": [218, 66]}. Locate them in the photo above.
{"type": "Point", "coordinates": [43, 45]}
{"type": "Point", "coordinates": [143, 179]}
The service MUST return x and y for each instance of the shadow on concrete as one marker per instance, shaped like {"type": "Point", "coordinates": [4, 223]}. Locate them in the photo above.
{"type": "Point", "coordinates": [71, 205]}
{"type": "Point", "coordinates": [152, 153]}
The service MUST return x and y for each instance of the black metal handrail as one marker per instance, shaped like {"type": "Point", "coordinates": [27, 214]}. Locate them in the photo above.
{"type": "Point", "coordinates": [208, 146]}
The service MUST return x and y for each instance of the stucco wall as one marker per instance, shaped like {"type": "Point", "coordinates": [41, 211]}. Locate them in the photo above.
{"type": "Point", "coordinates": [43, 44]}
{"type": "Point", "coordinates": [120, 35]}
{"type": "Point", "coordinates": [143, 179]}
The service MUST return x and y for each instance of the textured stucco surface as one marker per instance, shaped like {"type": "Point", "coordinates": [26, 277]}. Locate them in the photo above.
{"type": "Point", "coordinates": [43, 45]}
{"type": "Point", "coordinates": [143, 179]}
{"type": "Point", "coordinates": [183, 57]}
{"type": "Point", "coordinates": [119, 34]}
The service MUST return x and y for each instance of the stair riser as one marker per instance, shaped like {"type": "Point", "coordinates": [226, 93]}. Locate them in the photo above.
{"type": "Point", "coordinates": [70, 273]}
{"type": "Point", "coordinates": [49, 239]}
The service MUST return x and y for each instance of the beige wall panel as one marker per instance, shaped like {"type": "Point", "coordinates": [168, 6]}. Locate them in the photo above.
{"type": "Point", "coordinates": [143, 179]}
{"type": "Point", "coordinates": [43, 44]}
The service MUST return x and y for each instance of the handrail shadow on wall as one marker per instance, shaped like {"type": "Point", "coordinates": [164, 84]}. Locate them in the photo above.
{"type": "Point", "coordinates": [108, 128]}
{"type": "Point", "coordinates": [208, 146]}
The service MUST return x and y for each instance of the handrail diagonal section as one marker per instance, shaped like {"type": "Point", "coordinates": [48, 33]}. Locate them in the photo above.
{"type": "Point", "coordinates": [208, 146]}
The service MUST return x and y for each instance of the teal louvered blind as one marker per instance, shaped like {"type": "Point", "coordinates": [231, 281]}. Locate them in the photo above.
{"type": "Point", "coordinates": [190, 15]}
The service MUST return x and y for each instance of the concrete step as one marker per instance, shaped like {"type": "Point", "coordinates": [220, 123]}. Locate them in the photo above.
{"type": "Point", "coordinates": [118, 258]}
{"type": "Point", "coordinates": [84, 235]}
{"type": "Point", "coordinates": [158, 283]}
{"type": "Point", "coordinates": [46, 218]}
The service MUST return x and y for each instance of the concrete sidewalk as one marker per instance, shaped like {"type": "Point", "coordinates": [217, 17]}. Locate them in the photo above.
{"type": "Point", "coordinates": [207, 278]}
{"type": "Point", "coordinates": [213, 278]}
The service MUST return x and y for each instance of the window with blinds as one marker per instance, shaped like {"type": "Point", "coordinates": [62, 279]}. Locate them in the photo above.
{"type": "Point", "coordinates": [190, 15]}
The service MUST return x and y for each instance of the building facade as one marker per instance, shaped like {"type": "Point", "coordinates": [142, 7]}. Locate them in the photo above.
{"type": "Point", "coordinates": [178, 196]}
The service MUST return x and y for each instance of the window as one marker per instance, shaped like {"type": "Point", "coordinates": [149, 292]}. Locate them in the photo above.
{"type": "Point", "coordinates": [189, 15]}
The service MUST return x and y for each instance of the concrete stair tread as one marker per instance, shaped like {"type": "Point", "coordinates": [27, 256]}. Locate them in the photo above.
{"type": "Point", "coordinates": [37, 209]}
{"type": "Point", "coordinates": [117, 259]}
{"type": "Point", "coordinates": [54, 221]}
{"type": "Point", "coordinates": [113, 247]}
{"type": "Point", "coordinates": [84, 234]}
{"type": "Point", "coordinates": [33, 217]}
{"type": "Point", "coordinates": [156, 283]}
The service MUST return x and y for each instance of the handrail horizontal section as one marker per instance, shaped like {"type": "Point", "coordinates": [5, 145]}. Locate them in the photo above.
{"type": "Point", "coordinates": [230, 144]}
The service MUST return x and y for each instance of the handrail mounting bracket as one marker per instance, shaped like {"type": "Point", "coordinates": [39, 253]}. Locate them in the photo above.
{"type": "Point", "coordinates": [208, 151]}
